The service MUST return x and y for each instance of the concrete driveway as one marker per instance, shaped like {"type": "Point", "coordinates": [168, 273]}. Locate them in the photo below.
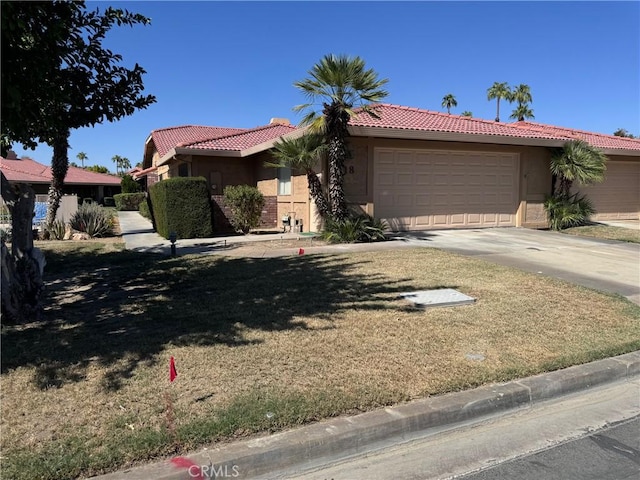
{"type": "Point", "coordinates": [601, 264]}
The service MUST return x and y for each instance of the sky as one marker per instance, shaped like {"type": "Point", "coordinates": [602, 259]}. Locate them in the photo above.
{"type": "Point", "coordinates": [233, 64]}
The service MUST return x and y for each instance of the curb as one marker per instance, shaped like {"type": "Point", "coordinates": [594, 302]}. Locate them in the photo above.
{"type": "Point", "coordinates": [339, 438]}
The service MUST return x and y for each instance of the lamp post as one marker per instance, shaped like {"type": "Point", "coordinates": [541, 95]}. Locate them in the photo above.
{"type": "Point", "coordinates": [173, 236]}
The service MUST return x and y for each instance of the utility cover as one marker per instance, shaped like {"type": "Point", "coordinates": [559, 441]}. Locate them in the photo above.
{"type": "Point", "coordinates": [441, 297]}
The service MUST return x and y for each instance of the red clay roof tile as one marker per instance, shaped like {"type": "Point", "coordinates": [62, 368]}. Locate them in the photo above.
{"type": "Point", "coordinates": [165, 139]}
{"type": "Point", "coordinates": [29, 171]}
{"type": "Point", "coordinates": [244, 140]}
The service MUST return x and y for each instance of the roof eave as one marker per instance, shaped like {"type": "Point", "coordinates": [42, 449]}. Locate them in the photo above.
{"type": "Point", "coordinates": [409, 134]}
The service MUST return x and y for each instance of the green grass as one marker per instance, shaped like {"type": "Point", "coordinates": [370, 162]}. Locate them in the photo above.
{"type": "Point", "coordinates": [606, 232]}
{"type": "Point", "coordinates": [300, 338]}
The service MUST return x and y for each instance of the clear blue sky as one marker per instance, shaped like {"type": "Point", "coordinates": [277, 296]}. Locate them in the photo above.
{"type": "Point", "coordinates": [234, 63]}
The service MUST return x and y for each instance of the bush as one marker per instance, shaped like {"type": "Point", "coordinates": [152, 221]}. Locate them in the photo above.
{"type": "Point", "coordinates": [93, 219]}
{"type": "Point", "coordinates": [129, 185]}
{"type": "Point", "coordinates": [356, 228]}
{"type": "Point", "coordinates": [182, 205]}
{"type": "Point", "coordinates": [144, 210]}
{"type": "Point", "coordinates": [128, 201]}
{"type": "Point", "coordinates": [57, 230]}
{"type": "Point", "coordinates": [565, 212]}
{"type": "Point", "coordinates": [109, 202]}
{"type": "Point", "coordinates": [246, 205]}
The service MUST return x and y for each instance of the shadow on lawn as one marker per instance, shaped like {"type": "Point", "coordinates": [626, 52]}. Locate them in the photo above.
{"type": "Point", "coordinates": [121, 309]}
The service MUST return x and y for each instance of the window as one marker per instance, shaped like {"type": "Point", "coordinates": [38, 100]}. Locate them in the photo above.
{"type": "Point", "coordinates": [284, 181]}
{"type": "Point", "coordinates": [183, 170]}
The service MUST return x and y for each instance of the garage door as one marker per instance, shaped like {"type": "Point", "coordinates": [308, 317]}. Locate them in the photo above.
{"type": "Point", "coordinates": [419, 189]}
{"type": "Point", "coordinates": [618, 197]}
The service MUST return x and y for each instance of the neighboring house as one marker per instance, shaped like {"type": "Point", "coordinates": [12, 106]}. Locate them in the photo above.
{"type": "Point", "coordinates": [417, 169]}
{"type": "Point", "coordinates": [80, 182]}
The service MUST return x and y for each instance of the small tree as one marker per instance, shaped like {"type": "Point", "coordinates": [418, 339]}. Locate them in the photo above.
{"type": "Point", "coordinates": [467, 113]}
{"type": "Point", "coordinates": [129, 185]}
{"type": "Point", "coordinates": [246, 205]}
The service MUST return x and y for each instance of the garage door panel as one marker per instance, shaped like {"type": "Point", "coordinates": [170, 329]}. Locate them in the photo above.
{"type": "Point", "coordinates": [439, 189]}
{"type": "Point", "coordinates": [618, 197]}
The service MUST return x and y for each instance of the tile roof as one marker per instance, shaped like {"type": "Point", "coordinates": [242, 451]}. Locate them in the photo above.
{"type": "Point", "coordinates": [599, 140]}
{"type": "Point", "coordinates": [165, 139]}
{"type": "Point", "coordinates": [407, 118]}
{"type": "Point", "coordinates": [29, 171]}
{"type": "Point", "coordinates": [243, 140]}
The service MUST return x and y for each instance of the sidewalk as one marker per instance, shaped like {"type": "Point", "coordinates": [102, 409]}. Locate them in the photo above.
{"type": "Point", "coordinates": [337, 439]}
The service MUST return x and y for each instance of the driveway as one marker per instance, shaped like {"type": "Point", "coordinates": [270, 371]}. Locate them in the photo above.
{"type": "Point", "coordinates": [601, 264]}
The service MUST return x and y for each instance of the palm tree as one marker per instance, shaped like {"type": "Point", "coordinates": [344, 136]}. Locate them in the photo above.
{"type": "Point", "coordinates": [467, 113]}
{"type": "Point", "coordinates": [341, 83]}
{"type": "Point", "coordinates": [449, 101]}
{"type": "Point", "coordinates": [304, 153]}
{"type": "Point", "coordinates": [578, 162]}
{"type": "Point", "coordinates": [522, 112]}
{"type": "Point", "coordinates": [82, 157]}
{"type": "Point", "coordinates": [498, 90]}
{"type": "Point", "coordinates": [117, 159]}
{"type": "Point", "coordinates": [522, 95]}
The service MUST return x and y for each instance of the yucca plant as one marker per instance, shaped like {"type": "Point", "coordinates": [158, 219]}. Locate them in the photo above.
{"type": "Point", "coordinates": [92, 219]}
{"type": "Point", "coordinates": [567, 212]}
{"type": "Point", "coordinates": [57, 230]}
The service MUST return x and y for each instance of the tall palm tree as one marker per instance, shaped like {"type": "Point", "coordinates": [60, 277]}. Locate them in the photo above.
{"type": "Point", "coordinates": [82, 157]}
{"type": "Point", "coordinates": [522, 112]}
{"type": "Point", "coordinates": [522, 95]}
{"type": "Point", "coordinates": [449, 101]}
{"type": "Point", "coordinates": [117, 159]}
{"type": "Point", "coordinates": [340, 83]}
{"type": "Point", "coordinates": [578, 162]}
{"type": "Point", "coordinates": [304, 153]}
{"type": "Point", "coordinates": [498, 90]}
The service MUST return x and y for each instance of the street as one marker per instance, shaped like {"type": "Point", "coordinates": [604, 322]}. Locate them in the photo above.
{"type": "Point", "coordinates": [579, 436]}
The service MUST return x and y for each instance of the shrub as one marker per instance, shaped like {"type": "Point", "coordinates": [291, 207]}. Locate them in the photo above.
{"type": "Point", "coordinates": [356, 228]}
{"type": "Point", "coordinates": [144, 210]}
{"type": "Point", "coordinates": [128, 201]}
{"type": "Point", "coordinates": [5, 233]}
{"type": "Point", "coordinates": [565, 212]}
{"type": "Point", "coordinates": [129, 185]}
{"type": "Point", "coordinates": [182, 205]}
{"type": "Point", "coordinates": [57, 230]}
{"type": "Point", "coordinates": [109, 202]}
{"type": "Point", "coordinates": [92, 219]}
{"type": "Point", "coordinates": [246, 205]}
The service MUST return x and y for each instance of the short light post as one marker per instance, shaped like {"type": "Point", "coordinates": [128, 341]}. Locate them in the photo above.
{"type": "Point", "coordinates": [173, 236]}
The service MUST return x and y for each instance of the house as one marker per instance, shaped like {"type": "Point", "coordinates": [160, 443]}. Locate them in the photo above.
{"type": "Point", "coordinates": [417, 169]}
{"type": "Point", "coordinates": [80, 182]}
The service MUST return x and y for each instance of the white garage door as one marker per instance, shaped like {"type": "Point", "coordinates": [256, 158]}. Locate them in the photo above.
{"type": "Point", "coordinates": [419, 189]}
{"type": "Point", "coordinates": [618, 197]}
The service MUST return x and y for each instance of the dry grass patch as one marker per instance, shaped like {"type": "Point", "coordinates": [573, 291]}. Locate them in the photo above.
{"type": "Point", "coordinates": [302, 337]}
{"type": "Point", "coordinates": [606, 232]}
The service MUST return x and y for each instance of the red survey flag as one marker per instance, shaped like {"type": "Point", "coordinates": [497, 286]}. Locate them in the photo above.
{"type": "Point", "coordinates": [301, 251]}
{"type": "Point", "coordinates": [172, 370]}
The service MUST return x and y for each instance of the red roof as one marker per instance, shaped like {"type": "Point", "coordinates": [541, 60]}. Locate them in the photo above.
{"type": "Point", "coordinates": [599, 140]}
{"type": "Point", "coordinates": [29, 171]}
{"type": "Point", "coordinates": [243, 140]}
{"type": "Point", "coordinates": [407, 118]}
{"type": "Point", "coordinates": [165, 139]}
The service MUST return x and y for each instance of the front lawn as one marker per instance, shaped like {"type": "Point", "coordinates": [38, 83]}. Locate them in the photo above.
{"type": "Point", "coordinates": [606, 232]}
{"type": "Point", "coordinates": [266, 344]}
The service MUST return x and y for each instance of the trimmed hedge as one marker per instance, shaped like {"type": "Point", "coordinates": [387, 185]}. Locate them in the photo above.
{"type": "Point", "coordinates": [182, 205]}
{"type": "Point", "coordinates": [128, 201]}
{"type": "Point", "coordinates": [144, 210]}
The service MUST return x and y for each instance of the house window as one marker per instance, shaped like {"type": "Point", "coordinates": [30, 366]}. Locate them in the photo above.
{"type": "Point", "coordinates": [183, 170]}
{"type": "Point", "coordinates": [284, 181]}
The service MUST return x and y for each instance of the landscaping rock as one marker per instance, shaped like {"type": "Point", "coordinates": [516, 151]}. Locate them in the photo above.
{"type": "Point", "coordinates": [80, 236]}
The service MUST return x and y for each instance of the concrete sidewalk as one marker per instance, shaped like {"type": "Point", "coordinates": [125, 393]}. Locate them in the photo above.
{"type": "Point", "coordinates": [337, 439]}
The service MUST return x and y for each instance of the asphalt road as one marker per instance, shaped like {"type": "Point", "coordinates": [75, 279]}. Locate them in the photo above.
{"type": "Point", "coordinates": [610, 454]}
